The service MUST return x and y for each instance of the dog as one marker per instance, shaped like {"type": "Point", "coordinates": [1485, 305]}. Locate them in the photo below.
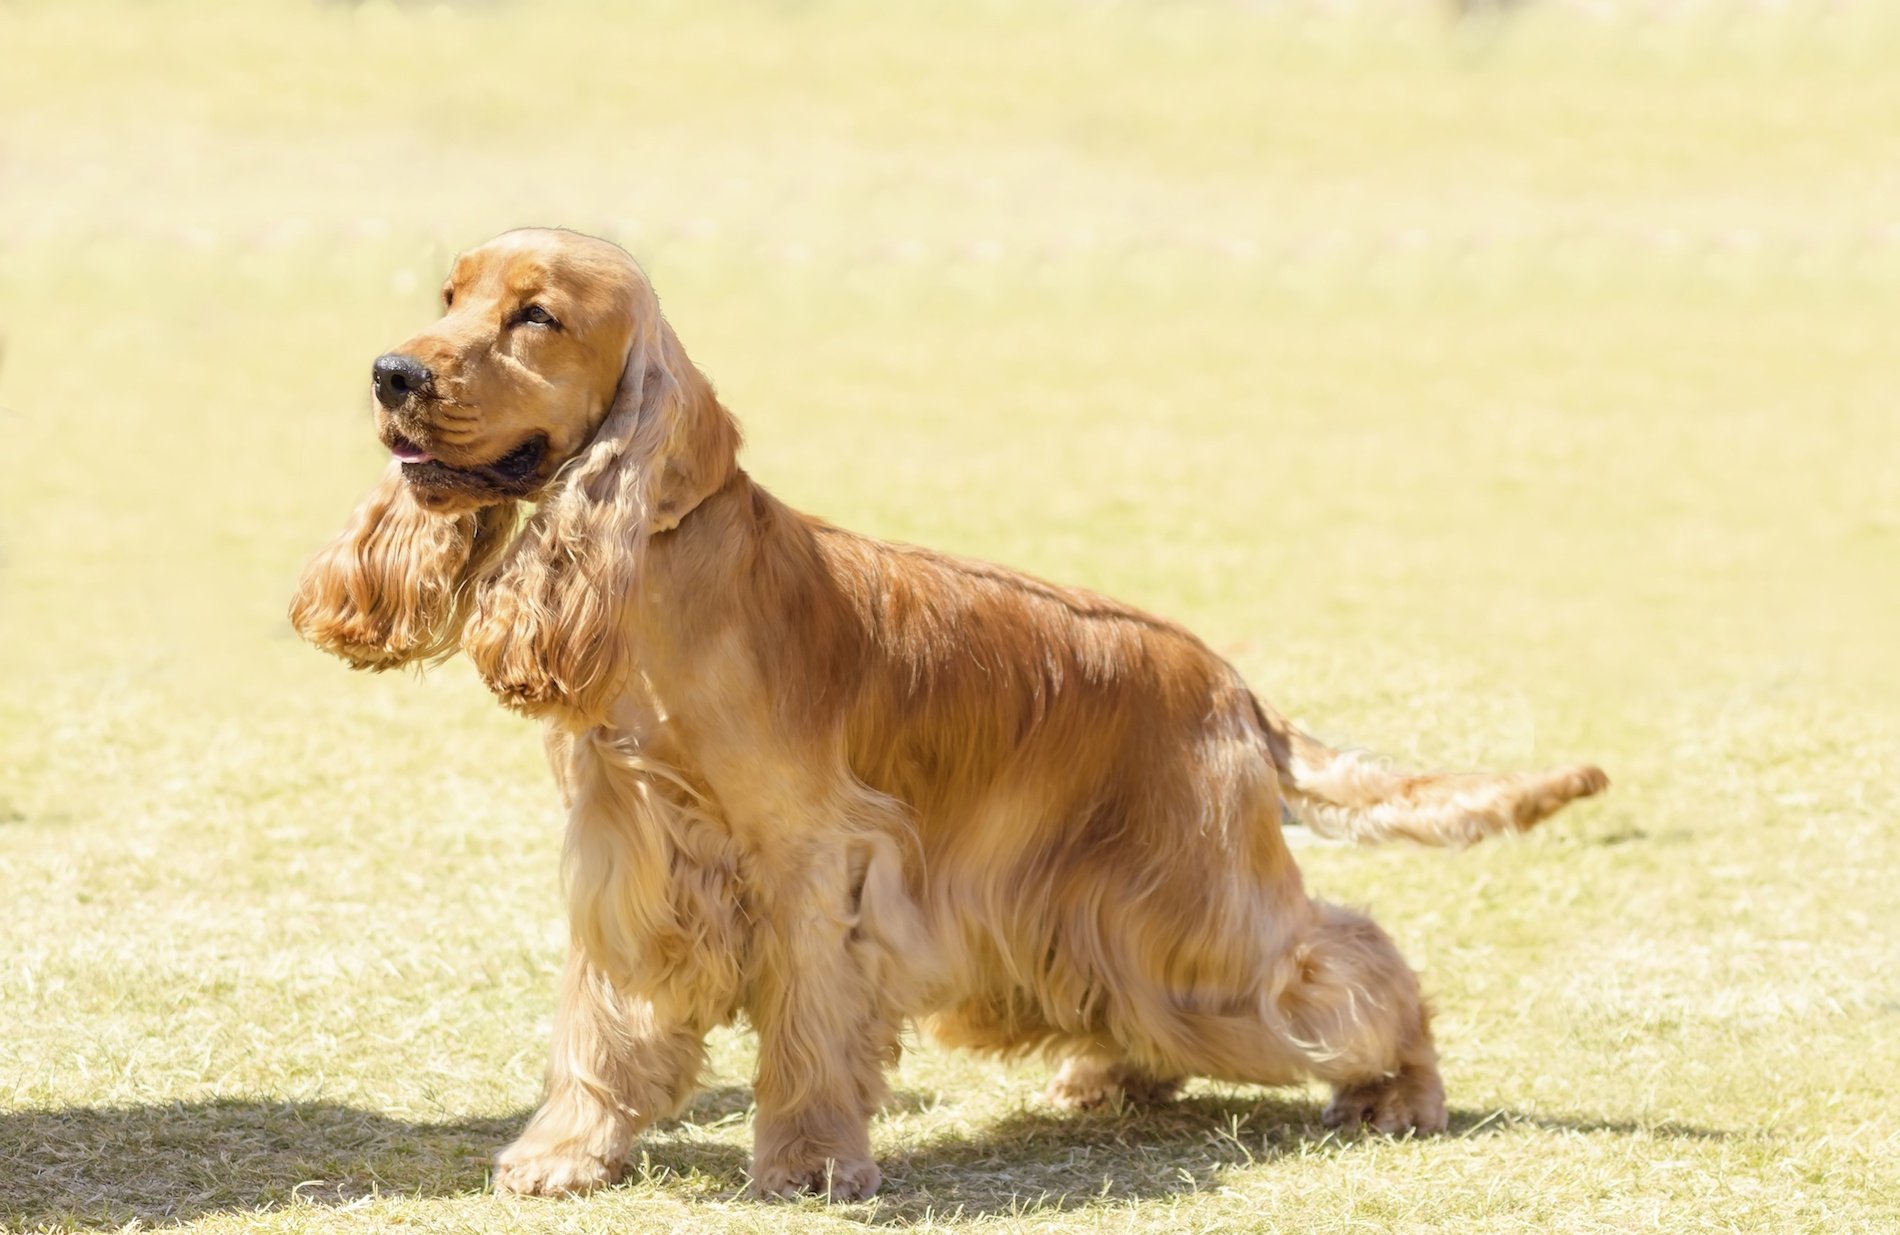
{"type": "Point", "coordinates": [839, 786]}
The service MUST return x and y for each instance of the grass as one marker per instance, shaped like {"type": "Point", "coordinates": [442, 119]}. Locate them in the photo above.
{"type": "Point", "coordinates": [1494, 395]}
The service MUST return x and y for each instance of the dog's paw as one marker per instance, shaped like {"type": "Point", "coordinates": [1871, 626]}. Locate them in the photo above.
{"type": "Point", "coordinates": [1089, 1086]}
{"type": "Point", "coordinates": [551, 1170]}
{"type": "Point", "coordinates": [1413, 1100]}
{"type": "Point", "coordinates": [831, 1179]}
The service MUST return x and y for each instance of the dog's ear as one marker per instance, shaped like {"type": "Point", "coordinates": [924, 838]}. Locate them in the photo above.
{"type": "Point", "coordinates": [393, 587]}
{"type": "Point", "coordinates": [551, 627]}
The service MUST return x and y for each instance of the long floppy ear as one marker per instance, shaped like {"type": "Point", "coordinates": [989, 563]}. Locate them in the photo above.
{"type": "Point", "coordinates": [393, 587]}
{"type": "Point", "coordinates": [551, 627]}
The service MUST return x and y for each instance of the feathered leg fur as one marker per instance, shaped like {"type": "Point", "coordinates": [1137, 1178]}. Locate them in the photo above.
{"type": "Point", "coordinates": [617, 1065]}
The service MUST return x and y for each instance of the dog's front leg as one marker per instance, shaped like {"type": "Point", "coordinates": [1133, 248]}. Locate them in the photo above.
{"type": "Point", "coordinates": [825, 1002]}
{"type": "Point", "coordinates": [618, 1064]}
{"type": "Point", "coordinates": [653, 967]}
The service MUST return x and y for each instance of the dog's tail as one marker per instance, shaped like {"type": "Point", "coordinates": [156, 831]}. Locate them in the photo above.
{"type": "Point", "coordinates": [1347, 795]}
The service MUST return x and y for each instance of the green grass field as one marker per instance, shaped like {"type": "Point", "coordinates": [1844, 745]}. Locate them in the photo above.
{"type": "Point", "coordinates": [1490, 395]}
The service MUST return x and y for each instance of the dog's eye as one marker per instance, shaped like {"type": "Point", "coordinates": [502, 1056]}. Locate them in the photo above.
{"type": "Point", "coordinates": [448, 297]}
{"type": "Point", "coordinates": [535, 315]}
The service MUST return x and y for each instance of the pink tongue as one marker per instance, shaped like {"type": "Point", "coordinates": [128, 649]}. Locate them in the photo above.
{"type": "Point", "coordinates": [411, 454]}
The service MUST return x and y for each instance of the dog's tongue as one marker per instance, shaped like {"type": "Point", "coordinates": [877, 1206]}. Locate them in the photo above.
{"type": "Point", "coordinates": [411, 454]}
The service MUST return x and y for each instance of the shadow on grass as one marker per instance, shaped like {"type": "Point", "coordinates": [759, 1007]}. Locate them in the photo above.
{"type": "Point", "coordinates": [1048, 1160]}
{"type": "Point", "coordinates": [105, 1167]}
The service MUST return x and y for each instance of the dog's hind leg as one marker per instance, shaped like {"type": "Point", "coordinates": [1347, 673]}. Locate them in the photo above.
{"type": "Point", "coordinates": [1339, 1003]}
{"type": "Point", "coordinates": [1351, 1006]}
{"type": "Point", "coordinates": [617, 1066]}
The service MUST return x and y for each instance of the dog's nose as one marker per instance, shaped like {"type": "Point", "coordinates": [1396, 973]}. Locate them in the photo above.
{"type": "Point", "coordinates": [396, 377]}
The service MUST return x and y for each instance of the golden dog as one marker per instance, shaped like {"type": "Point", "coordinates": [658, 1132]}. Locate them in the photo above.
{"type": "Point", "coordinates": [837, 785]}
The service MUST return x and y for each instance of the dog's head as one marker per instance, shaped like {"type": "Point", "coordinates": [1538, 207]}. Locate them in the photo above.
{"type": "Point", "coordinates": [551, 376]}
{"type": "Point", "coordinates": [489, 401]}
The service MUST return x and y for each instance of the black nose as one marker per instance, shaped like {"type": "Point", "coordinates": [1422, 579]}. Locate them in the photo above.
{"type": "Point", "coordinates": [397, 377]}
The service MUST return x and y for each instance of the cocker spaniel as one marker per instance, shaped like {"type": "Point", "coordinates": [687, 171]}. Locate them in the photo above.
{"type": "Point", "coordinates": [838, 785]}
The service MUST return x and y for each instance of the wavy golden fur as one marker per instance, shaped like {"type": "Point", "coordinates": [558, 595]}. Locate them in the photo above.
{"type": "Point", "coordinates": [837, 785]}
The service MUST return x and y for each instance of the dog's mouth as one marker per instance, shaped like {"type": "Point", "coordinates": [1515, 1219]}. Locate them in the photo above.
{"type": "Point", "coordinates": [514, 474]}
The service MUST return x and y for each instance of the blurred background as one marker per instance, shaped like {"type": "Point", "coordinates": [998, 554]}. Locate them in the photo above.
{"type": "Point", "coordinates": [1492, 387]}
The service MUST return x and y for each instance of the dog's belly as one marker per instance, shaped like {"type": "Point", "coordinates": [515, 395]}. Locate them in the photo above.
{"type": "Point", "coordinates": [1085, 927]}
